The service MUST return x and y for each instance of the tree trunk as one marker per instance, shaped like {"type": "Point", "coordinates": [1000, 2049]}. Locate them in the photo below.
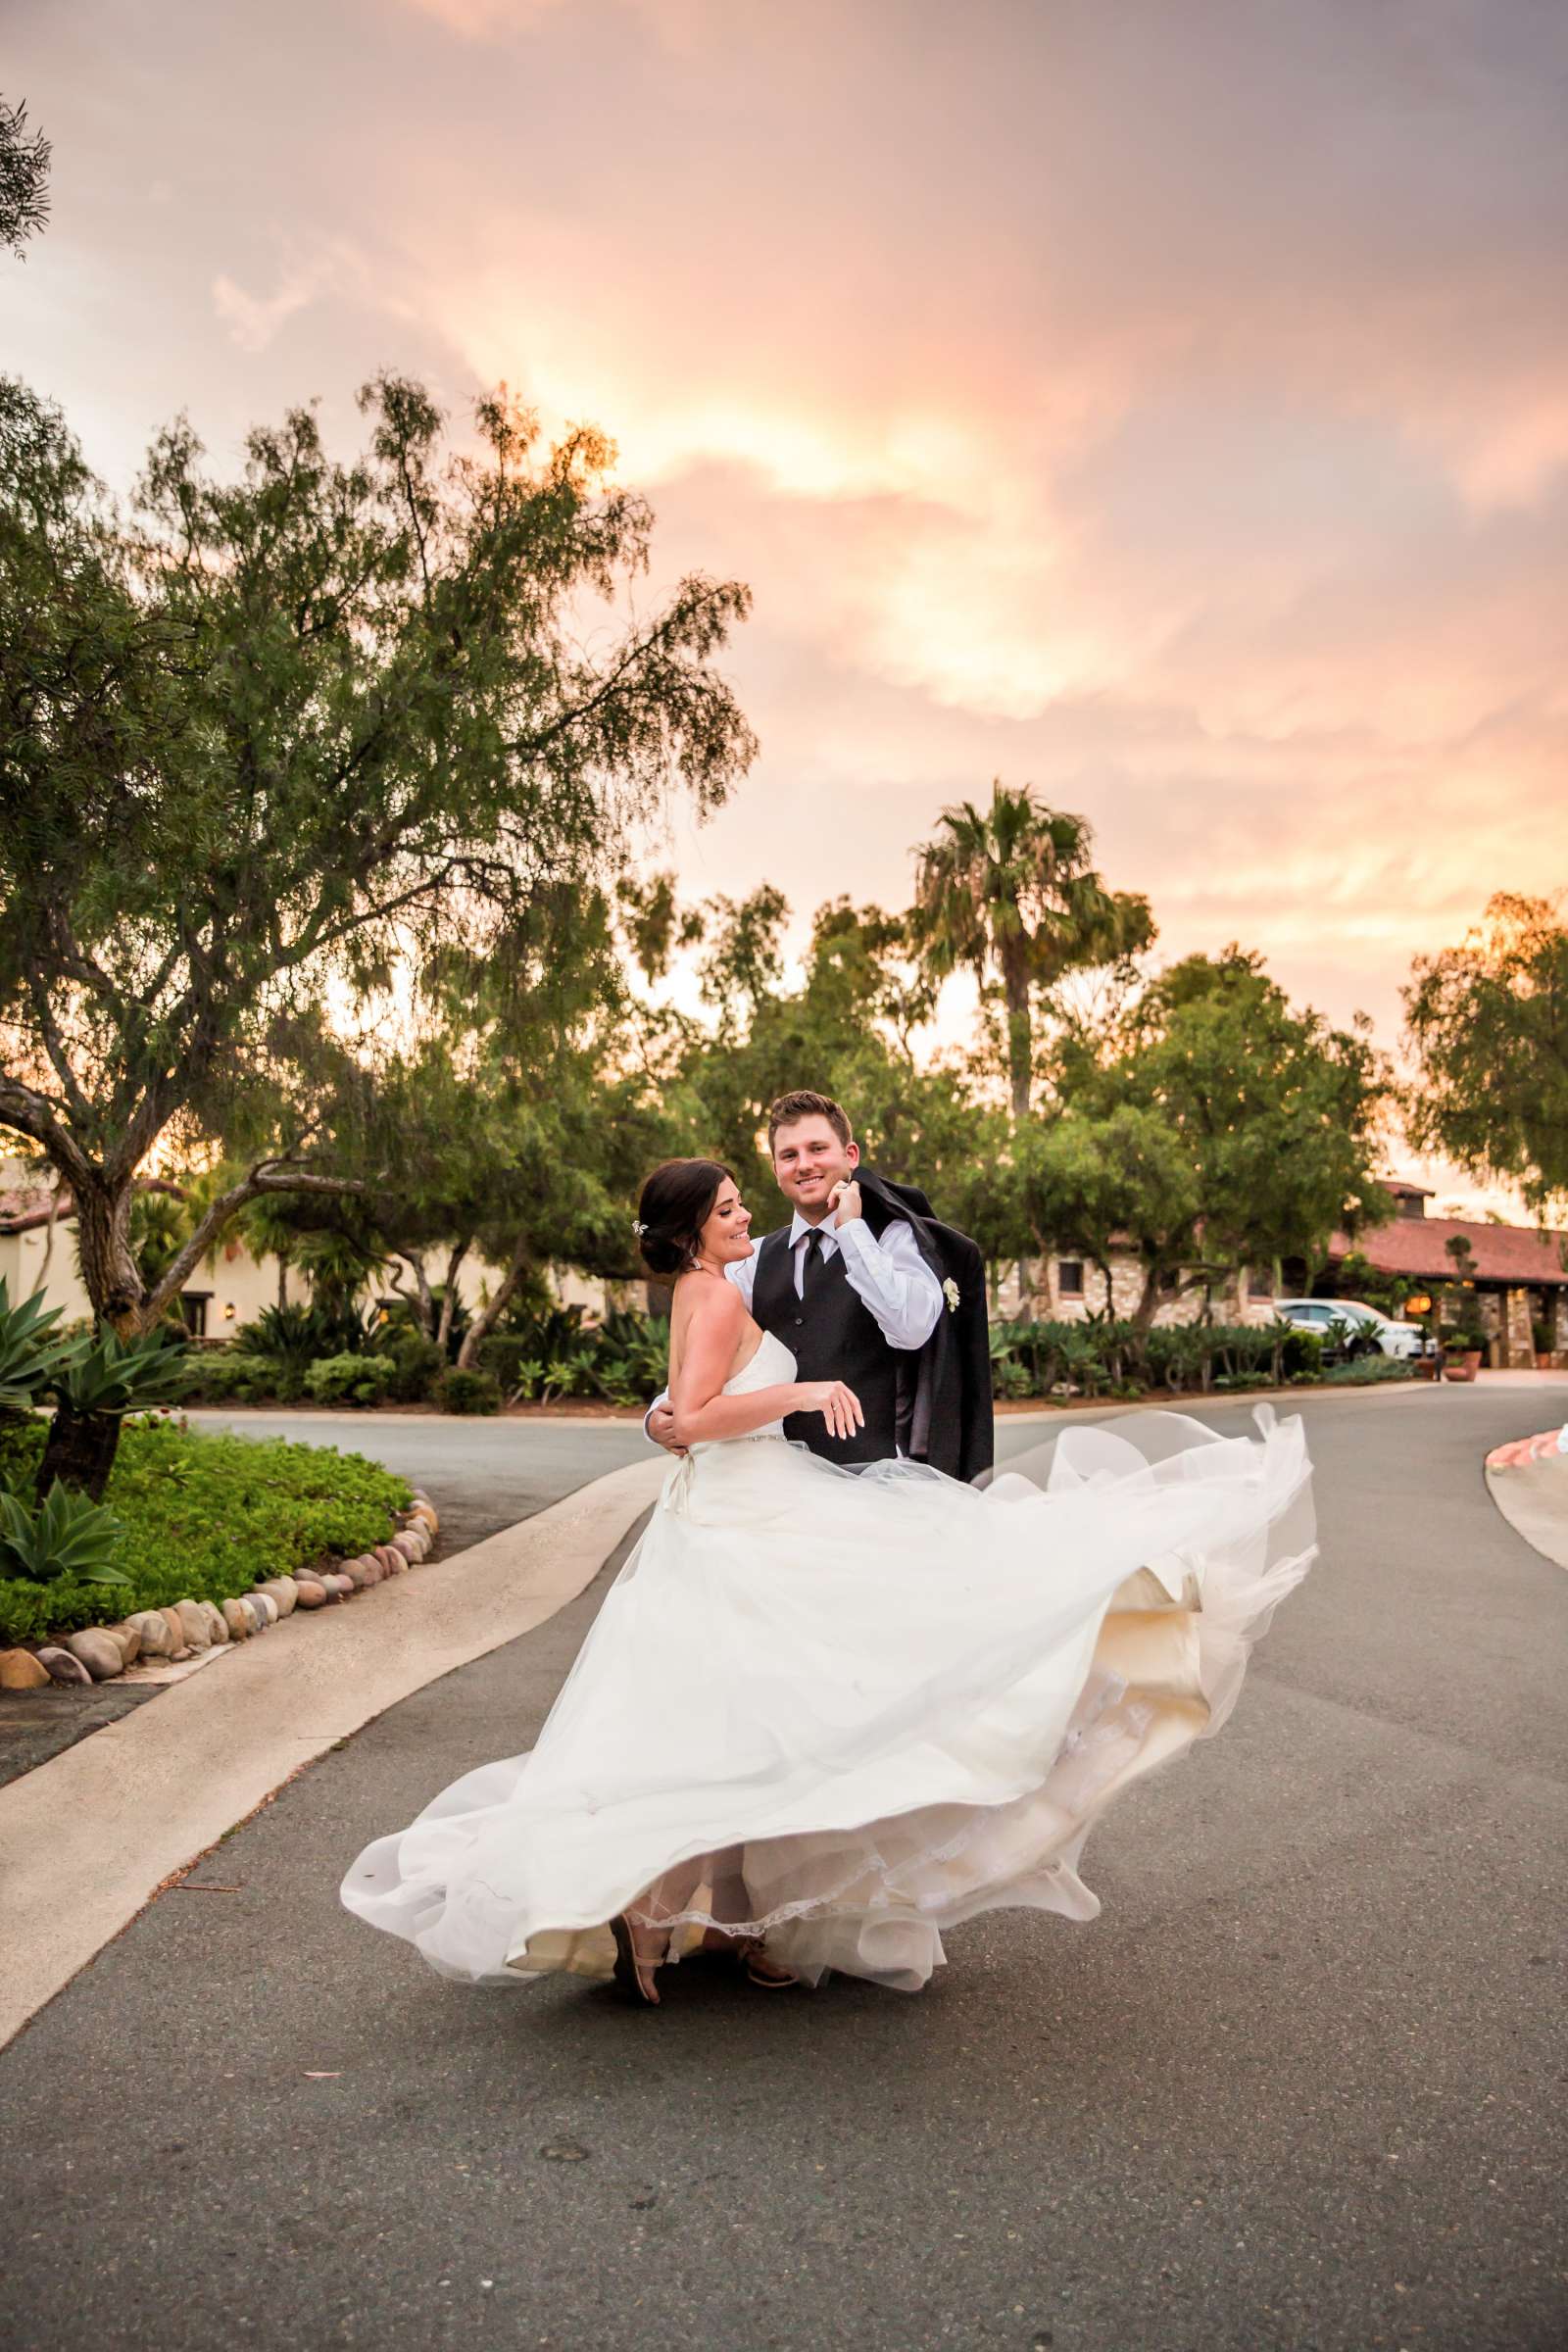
{"type": "Point", "coordinates": [415, 1261]}
{"type": "Point", "coordinates": [449, 1296]}
{"type": "Point", "coordinates": [1020, 1034]}
{"type": "Point", "coordinates": [489, 1315]}
{"type": "Point", "coordinates": [109, 1269]}
{"type": "Point", "coordinates": [80, 1449]}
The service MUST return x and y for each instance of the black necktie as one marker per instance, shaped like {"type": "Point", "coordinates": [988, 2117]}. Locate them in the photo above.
{"type": "Point", "coordinates": [812, 1271]}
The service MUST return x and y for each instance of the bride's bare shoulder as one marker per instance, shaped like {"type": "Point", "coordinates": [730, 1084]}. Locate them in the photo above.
{"type": "Point", "coordinates": [709, 1304]}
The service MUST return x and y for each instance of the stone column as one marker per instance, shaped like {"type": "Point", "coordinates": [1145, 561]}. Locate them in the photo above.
{"type": "Point", "coordinates": [1518, 1341]}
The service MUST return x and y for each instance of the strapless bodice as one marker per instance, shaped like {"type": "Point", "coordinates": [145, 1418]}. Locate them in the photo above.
{"type": "Point", "coordinates": [771, 1364]}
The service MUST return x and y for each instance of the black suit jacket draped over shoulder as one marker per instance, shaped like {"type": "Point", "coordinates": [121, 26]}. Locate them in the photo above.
{"type": "Point", "coordinates": [944, 1411]}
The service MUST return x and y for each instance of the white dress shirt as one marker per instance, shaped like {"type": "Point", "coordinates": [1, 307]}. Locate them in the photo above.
{"type": "Point", "coordinates": [888, 1275]}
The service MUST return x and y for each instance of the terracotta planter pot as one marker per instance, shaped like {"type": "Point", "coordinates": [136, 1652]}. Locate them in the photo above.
{"type": "Point", "coordinates": [1460, 1367]}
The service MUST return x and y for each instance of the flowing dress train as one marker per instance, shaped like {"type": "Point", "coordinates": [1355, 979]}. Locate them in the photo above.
{"type": "Point", "coordinates": [851, 1709]}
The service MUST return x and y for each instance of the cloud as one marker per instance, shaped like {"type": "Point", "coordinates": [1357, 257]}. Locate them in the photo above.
{"type": "Point", "coordinates": [1168, 407]}
{"type": "Point", "coordinates": [253, 320]}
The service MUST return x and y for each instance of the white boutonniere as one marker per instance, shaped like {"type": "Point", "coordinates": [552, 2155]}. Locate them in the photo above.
{"type": "Point", "coordinates": [949, 1291]}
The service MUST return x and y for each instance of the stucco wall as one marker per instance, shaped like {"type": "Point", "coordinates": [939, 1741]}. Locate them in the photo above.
{"type": "Point", "coordinates": [1230, 1306]}
{"type": "Point", "coordinates": [238, 1284]}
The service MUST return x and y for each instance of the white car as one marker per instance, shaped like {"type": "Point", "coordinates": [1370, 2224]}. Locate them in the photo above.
{"type": "Point", "coordinates": [1365, 1331]}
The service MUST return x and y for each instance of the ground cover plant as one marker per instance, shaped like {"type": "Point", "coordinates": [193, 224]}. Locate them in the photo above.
{"type": "Point", "coordinates": [201, 1517]}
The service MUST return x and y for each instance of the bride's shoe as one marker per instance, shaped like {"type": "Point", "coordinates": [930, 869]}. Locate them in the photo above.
{"type": "Point", "coordinates": [770, 1975]}
{"type": "Point", "coordinates": [750, 1955]}
{"type": "Point", "coordinates": [635, 1971]}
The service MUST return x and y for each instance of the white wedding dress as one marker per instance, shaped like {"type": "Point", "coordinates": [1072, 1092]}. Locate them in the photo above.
{"type": "Point", "coordinates": [881, 1702]}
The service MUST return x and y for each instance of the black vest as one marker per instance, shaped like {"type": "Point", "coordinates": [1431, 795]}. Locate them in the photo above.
{"type": "Point", "coordinates": [834, 1337]}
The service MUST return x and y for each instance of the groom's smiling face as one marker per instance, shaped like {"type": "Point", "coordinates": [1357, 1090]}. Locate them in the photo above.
{"type": "Point", "coordinates": [808, 1161]}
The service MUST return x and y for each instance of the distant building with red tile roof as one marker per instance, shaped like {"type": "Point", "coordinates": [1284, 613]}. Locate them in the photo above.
{"type": "Point", "coordinates": [1519, 1272]}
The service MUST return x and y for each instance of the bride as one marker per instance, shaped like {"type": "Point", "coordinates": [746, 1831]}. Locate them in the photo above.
{"type": "Point", "coordinates": [826, 1714]}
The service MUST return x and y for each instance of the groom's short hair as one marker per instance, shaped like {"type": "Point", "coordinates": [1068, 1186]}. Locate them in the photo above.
{"type": "Point", "coordinates": [804, 1105]}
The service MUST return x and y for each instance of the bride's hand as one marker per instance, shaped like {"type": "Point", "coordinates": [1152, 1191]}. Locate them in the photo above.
{"type": "Point", "coordinates": [839, 1406]}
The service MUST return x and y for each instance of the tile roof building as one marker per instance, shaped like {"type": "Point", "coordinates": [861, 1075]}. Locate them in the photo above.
{"type": "Point", "coordinates": [1519, 1272]}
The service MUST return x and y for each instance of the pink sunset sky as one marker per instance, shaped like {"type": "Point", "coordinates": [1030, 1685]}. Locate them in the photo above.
{"type": "Point", "coordinates": [1165, 405]}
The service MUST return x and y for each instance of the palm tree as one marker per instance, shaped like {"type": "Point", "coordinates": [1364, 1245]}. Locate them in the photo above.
{"type": "Point", "coordinates": [1010, 891]}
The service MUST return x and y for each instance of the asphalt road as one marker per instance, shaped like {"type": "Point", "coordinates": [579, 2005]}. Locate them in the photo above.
{"type": "Point", "coordinates": [1303, 2085]}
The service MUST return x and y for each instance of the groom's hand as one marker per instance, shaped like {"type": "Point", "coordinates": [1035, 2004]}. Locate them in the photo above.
{"type": "Point", "coordinates": [662, 1429]}
{"type": "Point", "coordinates": [845, 1199]}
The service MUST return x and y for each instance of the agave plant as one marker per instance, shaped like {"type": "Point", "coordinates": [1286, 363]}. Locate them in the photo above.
{"type": "Point", "coordinates": [298, 1336]}
{"type": "Point", "coordinates": [65, 1537]}
{"type": "Point", "coordinates": [31, 1350]}
{"type": "Point", "coordinates": [116, 1376]}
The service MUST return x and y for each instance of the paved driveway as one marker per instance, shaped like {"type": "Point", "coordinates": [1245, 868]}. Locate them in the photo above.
{"type": "Point", "coordinates": [1303, 2085]}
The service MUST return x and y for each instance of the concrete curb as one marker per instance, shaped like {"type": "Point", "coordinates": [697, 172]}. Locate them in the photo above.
{"type": "Point", "coordinates": [88, 1837]}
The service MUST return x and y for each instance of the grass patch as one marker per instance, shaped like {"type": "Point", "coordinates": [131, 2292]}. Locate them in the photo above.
{"type": "Point", "coordinates": [1367, 1372]}
{"type": "Point", "coordinates": [205, 1517]}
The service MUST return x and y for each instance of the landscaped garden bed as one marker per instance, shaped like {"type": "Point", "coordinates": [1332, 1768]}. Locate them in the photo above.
{"type": "Point", "coordinates": [217, 1538]}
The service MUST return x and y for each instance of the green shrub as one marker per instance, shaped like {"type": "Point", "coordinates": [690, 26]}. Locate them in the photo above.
{"type": "Point", "coordinates": [554, 1353]}
{"type": "Point", "coordinates": [507, 1356]}
{"type": "Point", "coordinates": [417, 1363]}
{"type": "Point", "coordinates": [1303, 1355]}
{"type": "Point", "coordinates": [203, 1516]}
{"type": "Point", "coordinates": [1367, 1372]}
{"type": "Point", "coordinates": [347, 1380]}
{"type": "Point", "coordinates": [463, 1392]}
{"type": "Point", "coordinates": [219, 1375]}
{"type": "Point", "coordinates": [298, 1336]}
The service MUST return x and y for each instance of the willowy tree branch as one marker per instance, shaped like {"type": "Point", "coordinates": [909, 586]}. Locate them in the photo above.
{"type": "Point", "coordinates": [268, 1176]}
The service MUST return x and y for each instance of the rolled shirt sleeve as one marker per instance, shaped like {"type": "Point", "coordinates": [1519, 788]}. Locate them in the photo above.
{"type": "Point", "coordinates": [893, 1279]}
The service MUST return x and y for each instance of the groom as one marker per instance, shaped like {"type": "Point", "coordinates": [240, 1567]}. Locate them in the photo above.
{"type": "Point", "coordinates": [865, 1286]}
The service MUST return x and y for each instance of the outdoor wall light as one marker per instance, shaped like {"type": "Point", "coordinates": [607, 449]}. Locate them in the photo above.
{"type": "Point", "coordinates": [228, 1310]}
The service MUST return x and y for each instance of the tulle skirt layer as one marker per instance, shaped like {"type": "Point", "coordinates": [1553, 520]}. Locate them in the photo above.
{"type": "Point", "coordinates": [850, 1710]}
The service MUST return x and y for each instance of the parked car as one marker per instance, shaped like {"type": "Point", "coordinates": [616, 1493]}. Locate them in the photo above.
{"type": "Point", "coordinates": [1352, 1326]}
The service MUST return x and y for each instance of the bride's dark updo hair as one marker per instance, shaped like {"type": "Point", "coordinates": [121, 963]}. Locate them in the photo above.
{"type": "Point", "coordinates": [676, 1202]}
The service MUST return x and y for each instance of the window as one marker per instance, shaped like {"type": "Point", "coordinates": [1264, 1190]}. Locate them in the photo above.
{"type": "Point", "coordinates": [1169, 1282]}
{"type": "Point", "coordinates": [1260, 1283]}
{"type": "Point", "coordinates": [194, 1306]}
{"type": "Point", "coordinates": [1071, 1278]}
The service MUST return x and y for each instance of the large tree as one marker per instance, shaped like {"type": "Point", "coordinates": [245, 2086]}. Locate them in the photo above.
{"type": "Point", "coordinates": [1489, 1023]}
{"type": "Point", "coordinates": [268, 736]}
{"type": "Point", "coordinates": [507, 1123]}
{"type": "Point", "coordinates": [1223, 1130]}
{"type": "Point", "coordinates": [1011, 894]}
